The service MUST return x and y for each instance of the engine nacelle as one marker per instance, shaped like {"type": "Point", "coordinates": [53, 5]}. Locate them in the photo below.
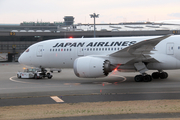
{"type": "Point", "coordinates": [91, 67]}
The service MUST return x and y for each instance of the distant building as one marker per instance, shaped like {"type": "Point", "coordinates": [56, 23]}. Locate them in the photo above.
{"type": "Point", "coordinates": [68, 20]}
{"type": "Point", "coordinates": [41, 24]}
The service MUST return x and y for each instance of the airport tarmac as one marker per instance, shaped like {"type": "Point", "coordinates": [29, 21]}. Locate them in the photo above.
{"type": "Point", "coordinates": [65, 87]}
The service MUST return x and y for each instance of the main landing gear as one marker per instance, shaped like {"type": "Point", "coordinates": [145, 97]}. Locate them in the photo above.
{"type": "Point", "coordinates": [147, 78]}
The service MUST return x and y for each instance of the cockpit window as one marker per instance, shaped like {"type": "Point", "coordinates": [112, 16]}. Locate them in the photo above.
{"type": "Point", "coordinates": [27, 50]}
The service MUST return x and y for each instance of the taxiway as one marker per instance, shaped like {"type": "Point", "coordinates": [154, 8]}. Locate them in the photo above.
{"type": "Point", "coordinates": [65, 87]}
{"type": "Point", "coordinates": [70, 89]}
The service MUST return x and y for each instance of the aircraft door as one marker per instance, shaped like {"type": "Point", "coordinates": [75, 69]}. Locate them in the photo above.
{"type": "Point", "coordinates": [170, 48]}
{"type": "Point", "coordinates": [39, 51]}
{"type": "Point", "coordinates": [80, 51]}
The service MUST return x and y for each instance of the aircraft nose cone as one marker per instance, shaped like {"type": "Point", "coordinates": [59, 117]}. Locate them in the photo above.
{"type": "Point", "coordinates": [24, 59]}
{"type": "Point", "coordinates": [20, 59]}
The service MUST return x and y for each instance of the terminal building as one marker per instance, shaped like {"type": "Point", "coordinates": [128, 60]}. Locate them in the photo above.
{"type": "Point", "coordinates": [14, 39]}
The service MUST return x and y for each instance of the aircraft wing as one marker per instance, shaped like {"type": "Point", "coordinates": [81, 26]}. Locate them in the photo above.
{"type": "Point", "coordinates": [139, 50]}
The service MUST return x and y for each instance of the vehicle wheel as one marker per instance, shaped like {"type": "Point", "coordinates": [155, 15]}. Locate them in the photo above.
{"type": "Point", "coordinates": [138, 78]}
{"type": "Point", "coordinates": [155, 75]}
{"type": "Point", "coordinates": [35, 76]}
{"type": "Point", "coordinates": [49, 77]}
{"type": "Point", "coordinates": [147, 78]}
{"type": "Point", "coordinates": [18, 76]}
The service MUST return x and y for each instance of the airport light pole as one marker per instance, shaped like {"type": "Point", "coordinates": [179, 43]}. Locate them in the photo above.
{"type": "Point", "coordinates": [94, 15]}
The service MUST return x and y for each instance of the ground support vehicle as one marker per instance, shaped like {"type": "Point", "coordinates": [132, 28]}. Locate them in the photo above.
{"type": "Point", "coordinates": [35, 73]}
{"type": "Point", "coordinates": [54, 69]}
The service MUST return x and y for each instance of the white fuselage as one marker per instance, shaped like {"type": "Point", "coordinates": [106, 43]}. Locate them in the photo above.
{"type": "Point", "coordinates": [61, 53]}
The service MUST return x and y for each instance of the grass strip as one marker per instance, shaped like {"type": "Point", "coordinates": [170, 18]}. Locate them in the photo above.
{"type": "Point", "coordinates": [87, 109]}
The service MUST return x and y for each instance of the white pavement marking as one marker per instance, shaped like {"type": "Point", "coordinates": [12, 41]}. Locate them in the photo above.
{"type": "Point", "coordinates": [121, 77]}
{"type": "Point", "coordinates": [11, 78]}
{"type": "Point", "coordinates": [57, 99]}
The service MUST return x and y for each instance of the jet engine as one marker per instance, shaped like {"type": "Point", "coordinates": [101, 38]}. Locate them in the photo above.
{"type": "Point", "coordinates": [91, 67]}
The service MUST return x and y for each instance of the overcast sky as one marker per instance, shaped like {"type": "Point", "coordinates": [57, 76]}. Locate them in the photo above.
{"type": "Point", "coordinates": [111, 11]}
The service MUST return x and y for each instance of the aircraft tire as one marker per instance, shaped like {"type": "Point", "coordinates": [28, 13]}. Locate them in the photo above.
{"type": "Point", "coordinates": [163, 75]}
{"type": "Point", "coordinates": [138, 78]}
{"type": "Point", "coordinates": [147, 78]}
{"type": "Point", "coordinates": [155, 75]}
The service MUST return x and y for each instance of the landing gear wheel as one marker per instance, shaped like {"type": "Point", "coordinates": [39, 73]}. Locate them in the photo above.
{"type": "Point", "coordinates": [155, 75]}
{"type": "Point", "coordinates": [138, 78]}
{"type": "Point", "coordinates": [166, 74]}
{"type": "Point", "coordinates": [163, 75]}
{"type": "Point", "coordinates": [147, 78]}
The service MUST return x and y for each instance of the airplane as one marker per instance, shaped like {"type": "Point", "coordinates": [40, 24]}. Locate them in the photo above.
{"type": "Point", "coordinates": [97, 57]}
